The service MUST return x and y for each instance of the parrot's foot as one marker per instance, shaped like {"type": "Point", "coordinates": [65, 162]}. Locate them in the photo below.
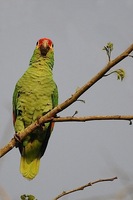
{"type": "Point", "coordinates": [38, 120]}
{"type": "Point", "coordinates": [41, 126]}
{"type": "Point", "coordinates": [17, 139]}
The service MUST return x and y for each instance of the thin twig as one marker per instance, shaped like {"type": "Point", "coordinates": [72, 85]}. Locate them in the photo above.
{"type": "Point", "coordinates": [108, 74]}
{"type": "Point", "coordinates": [92, 118]}
{"type": "Point", "coordinates": [68, 102]}
{"type": "Point", "coordinates": [83, 187]}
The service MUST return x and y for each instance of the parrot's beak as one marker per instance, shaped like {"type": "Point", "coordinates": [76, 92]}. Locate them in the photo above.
{"type": "Point", "coordinates": [45, 44]}
{"type": "Point", "coordinates": [44, 48]}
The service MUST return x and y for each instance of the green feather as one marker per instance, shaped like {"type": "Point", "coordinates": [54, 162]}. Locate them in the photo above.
{"type": "Point", "coordinates": [35, 94]}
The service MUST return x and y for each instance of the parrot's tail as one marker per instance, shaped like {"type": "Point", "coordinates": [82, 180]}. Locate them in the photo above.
{"type": "Point", "coordinates": [29, 170]}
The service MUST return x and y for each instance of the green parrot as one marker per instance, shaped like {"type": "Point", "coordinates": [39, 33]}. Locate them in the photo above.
{"type": "Point", "coordinates": [35, 94]}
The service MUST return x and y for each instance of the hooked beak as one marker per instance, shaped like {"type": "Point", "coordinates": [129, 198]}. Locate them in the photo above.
{"type": "Point", "coordinates": [44, 50]}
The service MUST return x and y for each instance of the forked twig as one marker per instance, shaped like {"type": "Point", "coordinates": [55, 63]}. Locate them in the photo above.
{"type": "Point", "coordinates": [83, 187]}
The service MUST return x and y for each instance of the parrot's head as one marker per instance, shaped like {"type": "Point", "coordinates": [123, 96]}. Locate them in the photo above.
{"type": "Point", "coordinates": [44, 45]}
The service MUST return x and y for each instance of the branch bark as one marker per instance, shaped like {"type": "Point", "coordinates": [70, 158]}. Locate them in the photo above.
{"type": "Point", "coordinates": [50, 115]}
{"type": "Point", "coordinates": [92, 118]}
{"type": "Point", "coordinates": [83, 187]}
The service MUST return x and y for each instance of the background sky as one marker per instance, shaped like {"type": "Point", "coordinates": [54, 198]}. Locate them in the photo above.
{"type": "Point", "coordinates": [77, 152]}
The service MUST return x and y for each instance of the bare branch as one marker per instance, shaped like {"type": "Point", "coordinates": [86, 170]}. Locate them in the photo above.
{"type": "Point", "coordinates": [95, 117]}
{"type": "Point", "coordinates": [68, 102]}
{"type": "Point", "coordinates": [83, 187]}
{"type": "Point", "coordinates": [13, 141]}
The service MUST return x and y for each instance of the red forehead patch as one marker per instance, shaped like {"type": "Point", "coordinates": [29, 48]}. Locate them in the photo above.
{"type": "Point", "coordinates": [41, 41]}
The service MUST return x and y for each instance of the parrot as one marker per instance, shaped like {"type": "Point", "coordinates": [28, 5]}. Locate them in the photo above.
{"type": "Point", "coordinates": [35, 94]}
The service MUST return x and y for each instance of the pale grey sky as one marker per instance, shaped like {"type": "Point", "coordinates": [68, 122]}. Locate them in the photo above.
{"type": "Point", "coordinates": [77, 152]}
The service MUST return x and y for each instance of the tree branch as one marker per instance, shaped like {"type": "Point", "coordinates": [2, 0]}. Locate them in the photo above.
{"type": "Point", "coordinates": [83, 187]}
{"type": "Point", "coordinates": [92, 118]}
{"type": "Point", "coordinates": [66, 103]}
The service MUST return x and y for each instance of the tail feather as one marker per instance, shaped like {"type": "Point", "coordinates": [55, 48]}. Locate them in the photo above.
{"type": "Point", "coordinates": [29, 170]}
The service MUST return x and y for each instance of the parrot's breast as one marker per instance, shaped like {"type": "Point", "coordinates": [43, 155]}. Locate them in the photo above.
{"type": "Point", "coordinates": [35, 89]}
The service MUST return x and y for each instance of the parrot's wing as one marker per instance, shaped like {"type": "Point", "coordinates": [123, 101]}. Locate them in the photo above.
{"type": "Point", "coordinates": [55, 97]}
{"type": "Point", "coordinates": [15, 95]}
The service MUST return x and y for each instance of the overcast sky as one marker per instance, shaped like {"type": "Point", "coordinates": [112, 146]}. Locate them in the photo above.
{"type": "Point", "coordinates": [77, 152]}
